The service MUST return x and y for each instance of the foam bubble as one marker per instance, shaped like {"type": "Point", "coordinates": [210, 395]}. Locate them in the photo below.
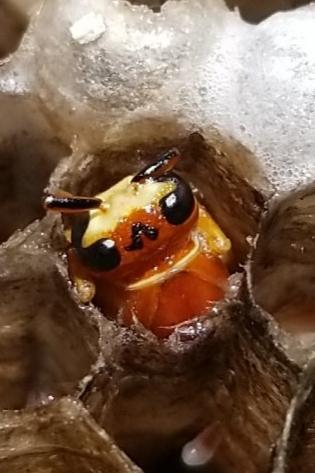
{"type": "Point", "coordinates": [194, 63]}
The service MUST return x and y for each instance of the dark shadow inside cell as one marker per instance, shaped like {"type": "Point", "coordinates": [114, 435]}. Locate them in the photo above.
{"type": "Point", "coordinates": [13, 24]}
{"type": "Point", "coordinates": [26, 162]}
{"type": "Point", "coordinates": [155, 5]}
{"type": "Point", "coordinates": [257, 11]}
{"type": "Point", "coordinates": [282, 268]}
{"type": "Point", "coordinates": [251, 11]}
{"type": "Point", "coordinates": [172, 463]}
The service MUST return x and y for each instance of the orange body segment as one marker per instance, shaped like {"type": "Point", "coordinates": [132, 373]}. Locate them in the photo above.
{"type": "Point", "coordinates": [187, 295]}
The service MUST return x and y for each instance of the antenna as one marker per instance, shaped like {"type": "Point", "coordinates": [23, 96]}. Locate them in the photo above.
{"type": "Point", "coordinates": [67, 203]}
{"type": "Point", "coordinates": [164, 164]}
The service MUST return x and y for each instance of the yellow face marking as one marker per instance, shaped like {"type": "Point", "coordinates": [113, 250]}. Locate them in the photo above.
{"type": "Point", "coordinates": [216, 241]}
{"type": "Point", "coordinates": [120, 201]}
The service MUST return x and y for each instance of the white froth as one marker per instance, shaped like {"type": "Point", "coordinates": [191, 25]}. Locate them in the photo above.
{"type": "Point", "coordinates": [194, 63]}
{"type": "Point", "coordinates": [88, 29]}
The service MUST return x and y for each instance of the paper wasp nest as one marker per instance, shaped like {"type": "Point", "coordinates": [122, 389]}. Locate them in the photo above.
{"type": "Point", "coordinates": [94, 90]}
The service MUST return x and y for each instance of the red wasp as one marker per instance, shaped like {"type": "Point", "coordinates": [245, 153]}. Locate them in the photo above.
{"type": "Point", "coordinates": [146, 250]}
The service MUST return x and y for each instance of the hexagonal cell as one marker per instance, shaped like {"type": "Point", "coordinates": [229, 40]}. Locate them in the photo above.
{"type": "Point", "coordinates": [47, 343]}
{"type": "Point", "coordinates": [151, 395]}
{"type": "Point", "coordinates": [13, 24]}
{"type": "Point", "coordinates": [295, 447]}
{"type": "Point", "coordinates": [281, 269]}
{"type": "Point", "coordinates": [234, 206]}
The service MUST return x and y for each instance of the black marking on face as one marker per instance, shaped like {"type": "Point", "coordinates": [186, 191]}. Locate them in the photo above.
{"type": "Point", "coordinates": [164, 164]}
{"type": "Point", "coordinates": [102, 255]}
{"type": "Point", "coordinates": [138, 230]}
{"type": "Point", "coordinates": [178, 205]}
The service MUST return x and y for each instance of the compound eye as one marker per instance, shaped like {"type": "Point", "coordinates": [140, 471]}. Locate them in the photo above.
{"type": "Point", "coordinates": [179, 204]}
{"type": "Point", "coordinates": [103, 255]}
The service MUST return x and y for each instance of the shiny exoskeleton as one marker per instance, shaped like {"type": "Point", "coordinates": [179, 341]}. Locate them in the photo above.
{"type": "Point", "coordinates": [145, 251]}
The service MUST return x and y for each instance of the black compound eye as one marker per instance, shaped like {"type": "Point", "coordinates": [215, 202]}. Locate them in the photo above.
{"type": "Point", "coordinates": [179, 204]}
{"type": "Point", "coordinates": [103, 255]}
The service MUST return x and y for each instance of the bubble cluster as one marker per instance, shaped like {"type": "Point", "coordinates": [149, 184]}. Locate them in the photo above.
{"type": "Point", "coordinates": [103, 67]}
